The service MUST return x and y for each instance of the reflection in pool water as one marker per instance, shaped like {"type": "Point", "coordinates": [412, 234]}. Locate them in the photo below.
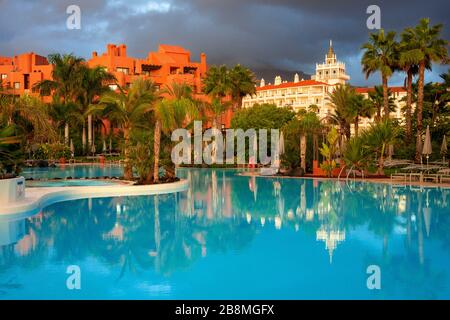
{"type": "Point", "coordinates": [70, 183]}
{"type": "Point", "coordinates": [232, 236]}
{"type": "Point", "coordinates": [75, 171]}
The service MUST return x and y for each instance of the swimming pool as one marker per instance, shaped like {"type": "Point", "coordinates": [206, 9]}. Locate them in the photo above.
{"type": "Point", "coordinates": [76, 171]}
{"type": "Point", "coordinates": [69, 183]}
{"type": "Point", "coordinates": [232, 236]}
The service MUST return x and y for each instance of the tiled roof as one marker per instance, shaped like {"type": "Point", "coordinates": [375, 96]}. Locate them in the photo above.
{"type": "Point", "coordinates": [391, 89]}
{"type": "Point", "coordinates": [293, 85]}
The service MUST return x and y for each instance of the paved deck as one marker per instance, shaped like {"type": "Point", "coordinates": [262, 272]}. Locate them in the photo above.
{"type": "Point", "coordinates": [394, 182]}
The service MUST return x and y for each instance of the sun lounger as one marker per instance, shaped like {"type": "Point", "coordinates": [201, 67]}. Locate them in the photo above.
{"type": "Point", "coordinates": [433, 177]}
{"type": "Point", "coordinates": [402, 176]}
{"type": "Point", "coordinates": [444, 175]}
{"type": "Point", "coordinates": [272, 170]}
{"type": "Point", "coordinates": [418, 175]}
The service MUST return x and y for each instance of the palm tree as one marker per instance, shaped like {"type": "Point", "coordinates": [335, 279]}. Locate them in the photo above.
{"type": "Point", "coordinates": [408, 62]}
{"type": "Point", "coordinates": [175, 111]}
{"type": "Point", "coordinates": [376, 98]}
{"type": "Point", "coordinates": [93, 84]}
{"type": "Point", "coordinates": [381, 55]}
{"type": "Point", "coordinates": [428, 47]}
{"type": "Point", "coordinates": [309, 125]}
{"type": "Point", "coordinates": [358, 108]}
{"type": "Point", "coordinates": [217, 82]}
{"type": "Point", "coordinates": [10, 152]}
{"type": "Point", "coordinates": [236, 82]}
{"type": "Point", "coordinates": [66, 81]}
{"type": "Point", "coordinates": [243, 82]}
{"type": "Point", "coordinates": [214, 109]}
{"type": "Point", "coordinates": [378, 137]}
{"type": "Point", "coordinates": [29, 115]}
{"type": "Point", "coordinates": [65, 115]}
{"type": "Point", "coordinates": [341, 99]}
{"type": "Point", "coordinates": [357, 154]}
{"type": "Point", "coordinates": [128, 108]}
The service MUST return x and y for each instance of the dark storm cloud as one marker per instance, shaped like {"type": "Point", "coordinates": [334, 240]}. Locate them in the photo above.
{"type": "Point", "coordinates": [263, 34]}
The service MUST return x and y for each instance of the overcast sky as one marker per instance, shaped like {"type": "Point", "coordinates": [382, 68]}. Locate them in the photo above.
{"type": "Point", "coordinates": [278, 34]}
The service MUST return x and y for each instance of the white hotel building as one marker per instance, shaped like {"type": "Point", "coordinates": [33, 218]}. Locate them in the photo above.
{"type": "Point", "coordinates": [300, 93]}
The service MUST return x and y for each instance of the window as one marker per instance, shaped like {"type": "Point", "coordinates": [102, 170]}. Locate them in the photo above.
{"type": "Point", "coordinates": [4, 76]}
{"type": "Point", "coordinates": [113, 87]}
{"type": "Point", "coordinates": [123, 70]}
{"type": "Point", "coordinates": [16, 85]}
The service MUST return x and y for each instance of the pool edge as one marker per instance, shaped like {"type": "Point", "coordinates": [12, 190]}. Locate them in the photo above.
{"type": "Point", "coordinates": [37, 198]}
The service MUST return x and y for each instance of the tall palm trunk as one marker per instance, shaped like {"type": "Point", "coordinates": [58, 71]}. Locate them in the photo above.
{"type": "Point", "coordinates": [128, 170]}
{"type": "Point", "coordinates": [157, 147]}
{"type": "Point", "coordinates": [66, 133]}
{"type": "Point", "coordinates": [356, 125]}
{"type": "Point", "coordinates": [385, 98]}
{"type": "Point", "coordinates": [83, 138]}
{"type": "Point", "coordinates": [380, 170]}
{"type": "Point", "coordinates": [89, 132]}
{"type": "Point", "coordinates": [303, 151]}
{"type": "Point", "coordinates": [408, 105]}
{"type": "Point", "coordinates": [315, 147]}
{"type": "Point", "coordinates": [419, 109]}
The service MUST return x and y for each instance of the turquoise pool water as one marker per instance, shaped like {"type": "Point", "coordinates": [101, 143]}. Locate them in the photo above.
{"type": "Point", "coordinates": [69, 183]}
{"type": "Point", "coordinates": [232, 236]}
{"type": "Point", "coordinates": [74, 171]}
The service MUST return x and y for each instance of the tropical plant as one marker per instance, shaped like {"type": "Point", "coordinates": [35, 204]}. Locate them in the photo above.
{"type": "Point", "coordinates": [428, 47]}
{"type": "Point", "coordinates": [262, 116]}
{"type": "Point", "coordinates": [141, 155]}
{"type": "Point", "coordinates": [242, 82]}
{"type": "Point", "coordinates": [29, 115]}
{"type": "Point", "coordinates": [381, 54]}
{"type": "Point", "coordinates": [378, 137]}
{"type": "Point", "coordinates": [236, 82]}
{"type": "Point", "coordinates": [357, 154]}
{"type": "Point", "coordinates": [291, 132]}
{"type": "Point", "coordinates": [65, 85]}
{"type": "Point", "coordinates": [341, 99]}
{"type": "Point", "coordinates": [175, 111]}
{"type": "Point", "coordinates": [11, 155]}
{"type": "Point", "coordinates": [217, 81]}
{"type": "Point", "coordinates": [130, 109]}
{"type": "Point", "coordinates": [358, 108]}
{"type": "Point", "coordinates": [376, 99]}
{"type": "Point", "coordinates": [408, 61]}
{"type": "Point", "coordinates": [309, 125]}
{"type": "Point", "coordinates": [94, 82]}
{"type": "Point", "coordinates": [328, 151]}
{"type": "Point", "coordinates": [214, 109]}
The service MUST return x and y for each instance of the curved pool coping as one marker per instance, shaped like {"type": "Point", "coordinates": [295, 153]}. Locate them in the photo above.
{"type": "Point", "coordinates": [37, 198]}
